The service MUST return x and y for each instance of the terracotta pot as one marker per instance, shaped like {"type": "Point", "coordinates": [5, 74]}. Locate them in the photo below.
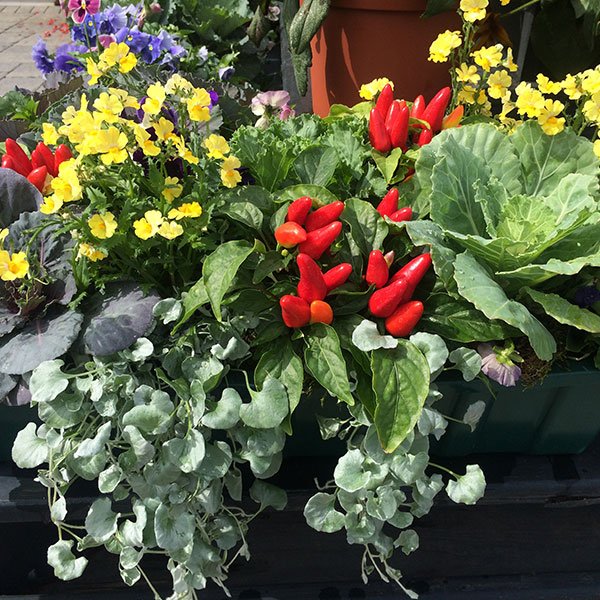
{"type": "Point", "coordinates": [364, 39]}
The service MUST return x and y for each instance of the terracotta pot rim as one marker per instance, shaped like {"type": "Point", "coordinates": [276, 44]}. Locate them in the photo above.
{"type": "Point", "coordinates": [385, 5]}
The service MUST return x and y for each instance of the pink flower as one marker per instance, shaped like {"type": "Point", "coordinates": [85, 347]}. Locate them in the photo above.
{"type": "Point", "coordinates": [105, 39]}
{"type": "Point", "coordinates": [80, 8]}
{"type": "Point", "coordinates": [286, 112]}
{"type": "Point", "coordinates": [498, 365]}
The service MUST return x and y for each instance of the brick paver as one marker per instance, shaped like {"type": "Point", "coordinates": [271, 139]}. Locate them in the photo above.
{"type": "Point", "coordinates": [21, 25]}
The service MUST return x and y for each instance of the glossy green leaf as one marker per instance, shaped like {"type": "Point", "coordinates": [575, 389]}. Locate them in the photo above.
{"type": "Point", "coordinates": [323, 358]}
{"type": "Point", "coordinates": [401, 385]}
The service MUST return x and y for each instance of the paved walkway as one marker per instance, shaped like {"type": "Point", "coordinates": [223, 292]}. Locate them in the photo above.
{"type": "Point", "coordinates": [21, 25]}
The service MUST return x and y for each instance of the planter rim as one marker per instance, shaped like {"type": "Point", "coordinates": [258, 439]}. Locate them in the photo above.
{"type": "Point", "coordinates": [384, 5]}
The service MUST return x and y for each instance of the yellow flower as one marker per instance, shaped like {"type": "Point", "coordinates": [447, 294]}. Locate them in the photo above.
{"type": "Point", "coordinates": [466, 95]}
{"type": "Point", "coordinates": [156, 96]}
{"type": "Point", "coordinates": [549, 120]}
{"type": "Point", "coordinates": [94, 71]}
{"type": "Point", "coordinates": [170, 230]}
{"type": "Point", "coordinates": [198, 105]}
{"type": "Point", "coordinates": [216, 145]}
{"type": "Point", "coordinates": [498, 84]}
{"type": "Point", "coordinates": [163, 129]}
{"type": "Point", "coordinates": [467, 74]}
{"type": "Point", "coordinates": [103, 226]}
{"type": "Point", "coordinates": [4, 233]}
{"type": "Point", "coordinates": [508, 62]}
{"type": "Point", "coordinates": [66, 186]}
{"type": "Point", "coordinates": [190, 210]}
{"type": "Point", "coordinates": [91, 252]}
{"type": "Point", "coordinates": [177, 83]}
{"type": "Point", "coordinates": [13, 267]}
{"type": "Point", "coordinates": [51, 205]}
{"type": "Point", "coordinates": [442, 46]}
{"type": "Point", "coordinates": [49, 134]}
{"type": "Point", "coordinates": [504, 2]}
{"type": "Point", "coordinates": [229, 176]}
{"type": "Point", "coordinates": [172, 189]}
{"type": "Point", "coordinates": [597, 148]}
{"type": "Point", "coordinates": [119, 54]}
{"type": "Point", "coordinates": [148, 225]}
{"type": "Point", "coordinates": [111, 145]}
{"type": "Point", "coordinates": [529, 102]}
{"type": "Point", "coordinates": [473, 10]}
{"type": "Point", "coordinates": [368, 91]}
{"type": "Point", "coordinates": [183, 151]}
{"type": "Point", "coordinates": [127, 100]}
{"type": "Point", "coordinates": [590, 82]}
{"type": "Point", "coordinates": [488, 57]}
{"type": "Point", "coordinates": [546, 86]}
{"type": "Point", "coordinates": [109, 106]}
{"type": "Point", "coordinates": [142, 137]}
{"type": "Point", "coordinates": [571, 87]}
{"type": "Point", "coordinates": [591, 109]}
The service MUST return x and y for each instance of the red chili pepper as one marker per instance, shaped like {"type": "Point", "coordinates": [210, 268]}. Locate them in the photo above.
{"type": "Point", "coordinates": [324, 215]}
{"type": "Point", "coordinates": [38, 178]}
{"type": "Point", "coordinates": [299, 209]}
{"type": "Point", "coordinates": [384, 101]}
{"type": "Point", "coordinates": [321, 312]}
{"type": "Point", "coordinates": [397, 124]}
{"type": "Point", "coordinates": [8, 162]}
{"type": "Point", "coordinates": [403, 320]}
{"type": "Point", "coordinates": [389, 203]}
{"type": "Point", "coordinates": [63, 153]}
{"type": "Point", "coordinates": [312, 284]}
{"type": "Point", "coordinates": [290, 234]}
{"type": "Point", "coordinates": [378, 135]}
{"type": "Point", "coordinates": [337, 276]}
{"type": "Point", "coordinates": [389, 257]}
{"type": "Point", "coordinates": [384, 302]}
{"type": "Point", "coordinates": [294, 311]}
{"type": "Point", "coordinates": [412, 272]}
{"type": "Point", "coordinates": [37, 160]}
{"type": "Point", "coordinates": [416, 110]}
{"type": "Point", "coordinates": [21, 160]}
{"type": "Point", "coordinates": [319, 240]}
{"type": "Point", "coordinates": [454, 118]}
{"type": "Point", "coordinates": [434, 111]}
{"type": "Point", "coordinates": [48, 157]}
{"type": "Point", "coordinates": [404, 214]}
{"type": "Point", "coordinates": [424, 137]}
{"type": "Point", "coordinates": [409, 175]}
{"type": "Point", "coordinates": [378, 271]}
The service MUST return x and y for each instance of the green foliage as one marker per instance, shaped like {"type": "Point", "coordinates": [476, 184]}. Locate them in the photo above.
{"type": "Point", "coordinates": [510, 214]}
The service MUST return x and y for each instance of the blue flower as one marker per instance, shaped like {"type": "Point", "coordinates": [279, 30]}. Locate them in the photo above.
{"type": "Point", "coordinates": [586, 296]}
{"type": "Point", "coordinates": [85, 32]}
{"type": "Point", "coordinates": [225, 73]}
{"type": "Point", "coordinates": [41, 57]}
{"type": "Point", "coordinates": [111, 20]}
{"type": "Point", "coordinates": [64, 59]}
{"type": "Point", "coordinates": [152, 50]}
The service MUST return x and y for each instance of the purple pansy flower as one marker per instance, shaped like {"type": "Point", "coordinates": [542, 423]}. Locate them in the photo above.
{"type": "Point", "coordinates": [587, 295]}
{"type": "Point", "coordinates": [81, 8]}
{"type": "Point", "coordinates": [85, 32]}
{"type": "Point", "coordinates": [226, 73]}
{"type": "Point", "coordinates": [498, 365]}
{"type": "Point", "coordinates": [41, 57]}
{"type": "Point", "coordinates": [111, 20]}
{"type": "Point", "coordinates": [214, 98]}
{"type": "Point", "coordinates": [152, 50]}
{"type": "Point", "coordinates": [64, 59]}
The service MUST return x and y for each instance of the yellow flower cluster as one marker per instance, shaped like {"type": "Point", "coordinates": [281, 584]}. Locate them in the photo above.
{"type": "Point", "coordinates": [116, 55]}
{"type": "Point", "coordinates": [368, 91]}
{"type": "Point", "coordinates": [473, 10]}
{"type": "Point", "coordinates": [442, 47]}
{"type": "Point", "coordinates": [102, 130]}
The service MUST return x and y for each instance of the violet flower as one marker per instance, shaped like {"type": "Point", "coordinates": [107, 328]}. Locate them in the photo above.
{"type": "Point", "coordinates": [498, 365]}
{"type": "Point", "coordinates": [106, 39]}
{"type": "Point", "coordinates": [226, 73]}
{"type": "Point", "coordinates": [41, 57]}
{"type": "Point", "coordinates": [586, 296]}
{"type": "Point", "coordinates": [85, 32]}
{"type": "Point", "coordinates": [80, 8]}
{"type": "Point", "coordinates": [111, 20]}
{"type": "Point", "coordinates": [64, 59]}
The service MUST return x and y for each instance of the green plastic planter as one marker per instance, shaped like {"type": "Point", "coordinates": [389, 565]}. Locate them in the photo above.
{"type": "Point", "coordinates": [559, 416]}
